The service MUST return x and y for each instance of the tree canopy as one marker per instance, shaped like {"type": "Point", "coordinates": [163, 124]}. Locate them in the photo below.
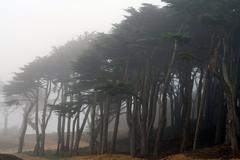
{"type": "Point", "coordinates": [171, 72]}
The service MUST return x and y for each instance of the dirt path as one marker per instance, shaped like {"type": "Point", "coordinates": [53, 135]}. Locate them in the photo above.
{"type": "Point", "coordinates": [104, 157]}
{"type": "Point", "coordinates": [27, 157]}
{"type": "Point", "coordinates": [96, 157]}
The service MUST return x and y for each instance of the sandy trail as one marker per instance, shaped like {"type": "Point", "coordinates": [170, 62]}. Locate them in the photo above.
{"type": "Point", "coordinates": [27, 157]}
{"type": "Point", "coordinates": [9, 144]}
{"type": "Point", "coordinates": [96, 157]}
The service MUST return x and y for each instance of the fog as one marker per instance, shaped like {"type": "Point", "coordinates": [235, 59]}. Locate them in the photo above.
{"type": "Point", "coordinates": [119, 79]}
{"type": "Point", "coordinates": [30, 29]}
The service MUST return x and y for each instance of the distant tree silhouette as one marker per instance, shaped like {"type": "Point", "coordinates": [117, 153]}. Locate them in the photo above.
{"type": "Point", "coordinates": [173, 72]}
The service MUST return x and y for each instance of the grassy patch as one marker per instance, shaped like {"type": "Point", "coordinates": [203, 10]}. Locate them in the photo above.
{"type": "Point", "coordinates": [49, 154]}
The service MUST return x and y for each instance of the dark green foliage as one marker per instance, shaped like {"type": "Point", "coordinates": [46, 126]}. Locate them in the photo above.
{"type": "Point", "coordinates": [148, 66]}
{"type": "Point", "coordinates": [177, 36]}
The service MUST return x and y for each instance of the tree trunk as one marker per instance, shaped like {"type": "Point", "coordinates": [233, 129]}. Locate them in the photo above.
{"type": "Point", "coordinates": [93, 110]}
{"type": "Point", "coordinates": [101, 128]}
{"type": "Point", "coordinates": [6, 114]}
{"type": "Point", "coordinates": [133, 126]}
{"type": "Point", "coordinates": [37, 146]}
{"type": "Point", "coordinates": [162, 115]}
{"type": "Point", "coordinates": [59, 133]}
{"type": "Point", "coordinates": [44, 114]}
{"type": "Point", "coordinates": [187, 109]}
{"type": "Point", "coordinates": [230, 92]}
{"type": "Point", "coordinates": [115, 132]}
{"type": "Point", "coordinates": [80, 132]}
{"type": "Point", "coordinates": [105, 125]}
{"type": "Point", "coordinates": [201, 103]}
{"type": "Point", "coordinates": [68, 133]}
{"type": "Point", "coordinates": [220, 118]}
{"type": "Point", "coordinates": [62, 147]}
{"type": "Point", "coordinates": [24, 127]}
{"type": "Point", "coordinates": [73, 132]}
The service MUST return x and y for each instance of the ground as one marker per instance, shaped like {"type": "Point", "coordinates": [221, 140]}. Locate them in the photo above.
{"type": "Point", "coordinates": [215, 152]}
{"type": "Point", "coordinates": [9, 157]}
{"type": "Point", "coordinates": [9, 143]}
{"type": "Point", "coordinates": [95, 157]}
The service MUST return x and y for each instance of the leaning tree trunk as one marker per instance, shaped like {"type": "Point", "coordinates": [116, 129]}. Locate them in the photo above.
{"type": "Point", "coordinates": [101, 127]}
{"type": "Point", "coordinates": [187, 107]}
{"type": "Point", "coordinates": [162, 118]}
{"type": "Point", "coordinates": [44, 114]}
{"type": "Point", "coordinates": [105, 125]}
{"type": "Point", "coordinates": [201, 102]}
{"type": "Point", "coordinates": [152, 111]}
{"type": "Point", "coordinates": [93, 112]}
{"type": "Point", "coordinates": [76, 119]}
{"type": "Point", "coordinates": [59, 133]}
{"type": "Point", "coordinates": [143, 111]}
{"type": "Point", "coordinates": [62, 146]}
{"type": "Point", "coordinates": [133, 125]}
{"type": "Point", "coordinates": [230, 92]}
{"type": "Point", "coordinates": [6, 115]}
{"type": "Point", "coordinates": [115, 132]}
{"type": "Point", "coordinates": [68, 133]}
{"type": "Point", "coordinates": [220, 115]}
{"type": "Point", "coordinates": [38, 138]}
{"type": "Point", "coordinates": [80, 131]}
{"type": "Point", "coordinates": [69, 127]}
{"type": "Point", "coordinates": [24, 127]}
{"type": "Point", "coordinates": [214, 49]}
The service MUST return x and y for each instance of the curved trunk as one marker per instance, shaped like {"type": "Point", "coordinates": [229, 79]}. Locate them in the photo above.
{"type": "Point", "coordinates": [80, 131]}
{"type": "Point", "coordinates": [230, 92]}
{"type": "Point", "coordinates": [201, 102]}
{"type": "Point", "coordinates": [93, 112]}
{"type": "Point", "coordinates": [59, 133]}
{"type": "Point", "coordinates": [37, 145]}
{"type": "Point", "coordinates": [105, 125]}
{"type": "Point", "coordinates": [73, 132]}
{"type": "Point", "coordinates": [44, 114]}
{"type": "Point", "coordinates": [115, 132]}
{"type": "Point", "coordinates": [68, 133]}
{"type": "Point", "coordinates": [187, 111]}
{"type": "Point", "coordinates": [162, 118]}
{"type": "Point", "coordinates": [24, 128]}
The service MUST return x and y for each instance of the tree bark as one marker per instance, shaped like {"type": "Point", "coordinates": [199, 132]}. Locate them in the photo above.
{"type": "Point", "coordinates": [37, 145]}
{"type": "Point", "coordinates": [44, 114]}
{"type": "Point", "coordinates": [80, 132]}
{"type": "Point", "coordinates": [105, 125]}
{"type": "Point", "coordinates": [201, 103]}
{"type": "Point", "coordinates": [73, 133]}
{"type": "Point", "coordinates": [68, 133]}
{"type": "Point", "coordinates": [93, 112]}
{"type": "Point", "coordinates": [59, 133]}
{"type": "Point", "coordinates": [115, 132]}
{"type": "Point", "coordinates": [230, 92]}
{"type": "Point", "coordinates": [187, 109]}
{"type": "Point", "coordinates": [24, 127]}
{"type": "Point", "coordinates": [162, 115]}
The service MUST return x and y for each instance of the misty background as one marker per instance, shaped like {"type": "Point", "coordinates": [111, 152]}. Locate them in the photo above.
{"type": "Point", "coordinates": [30, 28]}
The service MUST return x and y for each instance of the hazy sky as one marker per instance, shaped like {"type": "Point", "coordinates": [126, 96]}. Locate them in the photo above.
{"type": "Point", "coordinates": [29, 28]}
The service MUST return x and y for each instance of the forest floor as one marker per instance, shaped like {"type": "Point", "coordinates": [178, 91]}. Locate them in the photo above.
{"type": "Point", "coordinates": [9, 143]}
{"type": "Point", "coordinates": [215, 152]}
{"type": "Point", "coordinates": [94, 157]}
